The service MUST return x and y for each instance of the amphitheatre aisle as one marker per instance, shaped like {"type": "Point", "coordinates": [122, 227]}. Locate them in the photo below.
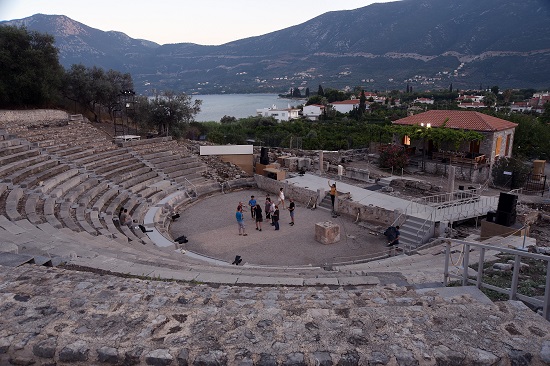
{"type": "Point", "coordinates": [61, 187]}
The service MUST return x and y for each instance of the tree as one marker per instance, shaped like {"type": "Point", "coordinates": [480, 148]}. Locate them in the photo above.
{"type": "Point", "coordinates": [170, 113]}
{"type": "Point", "coordinates": [362, 103]}
{"type": "Point", "coordinates": [307, 92]}
{"type": "Point", "coordinates": [320, 91]}
{"type": "Point", "coordinates": [31, 74]}
{"type": "Point", "coordinates": [227, 119]}
{"type": "Point", "coordinates": [545, 116]}
{"type": "Point", "coordinates": [296, 93]}
{"type": "Point", "coordinates": [490, 100]}
{"type": "Point", "coordinates": [94, 88]}
{"type": "Point", "coordinates": [394, 156]}
{"type": "Point", "coordinates": [494, 90]}
{"type": "Point", "coordinates": [519, 172]}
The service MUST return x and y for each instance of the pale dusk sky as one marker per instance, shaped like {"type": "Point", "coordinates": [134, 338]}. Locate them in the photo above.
{"type": "Point", "coordinates": [206, 22]}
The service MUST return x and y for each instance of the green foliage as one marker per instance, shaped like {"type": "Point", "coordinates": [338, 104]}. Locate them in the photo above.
{"type": "Point", "coordinates": [438, 135]}
{"type": "Point", "coordinates": [545, 116]}
{"type": "Point", "coordinates": [394, 156]}
{"type": "Point", "coordinates": [531, 138]}
{"type": "Point", "coordinates": [92, 87]}
{"type": "Point", "coordinates": [170, 113]}
{"type": "Point", "coordinates": [30, 73]}
{"type": "Point", "coordinates": [518, 169]}
{"type": "Point", "coordinates": [228, 119]}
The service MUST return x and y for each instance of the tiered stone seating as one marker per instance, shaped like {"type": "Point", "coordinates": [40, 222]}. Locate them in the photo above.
{"type": "Point", "coordinates": [172, 159]}
{"type": "Point", "coordinates": [71, 177]}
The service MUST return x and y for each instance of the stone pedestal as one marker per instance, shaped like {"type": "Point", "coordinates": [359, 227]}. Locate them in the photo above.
{"type": "Point", "coordinates": [327, 232]}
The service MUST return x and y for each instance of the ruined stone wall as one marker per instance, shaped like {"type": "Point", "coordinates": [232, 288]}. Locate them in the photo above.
{"type": "Point", "coordinates": [273, 186]}
{"type": "Point", "coordinates": [368, 213]}
{"type": "Point", "coordinates": [31, 117]}
{"type": "Point", "coordinates": [465, 173]}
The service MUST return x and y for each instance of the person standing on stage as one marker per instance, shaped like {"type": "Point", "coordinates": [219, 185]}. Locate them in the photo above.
{"type": "Point", "coordinates": [267, 207]}
{"type": "Point", "coordinates": [281, 198]}
{"type": "Point", "coordinates": [259, 217]}
{"type": "Point", "coordinates": [276, 217]}
{"type": "Point", "coordinates": [333, 193]}
{"type": "Point", "coordinates": [240, 221]}
{"type": "Point", "coordinates": [252, 204]}
{"type": "Point", "coordinates": [291, 208]}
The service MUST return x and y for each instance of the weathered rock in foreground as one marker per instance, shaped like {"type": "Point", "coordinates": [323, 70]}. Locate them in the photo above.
{"type": "Point", "coordinates": [52, 316]}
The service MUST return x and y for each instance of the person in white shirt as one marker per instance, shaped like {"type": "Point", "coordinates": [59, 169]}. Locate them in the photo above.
{"type": "Point", "coordinates": [282, 198]}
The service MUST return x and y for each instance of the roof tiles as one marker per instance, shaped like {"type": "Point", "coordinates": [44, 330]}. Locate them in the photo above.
{"type": "Point", "coordinates": [459, 120]}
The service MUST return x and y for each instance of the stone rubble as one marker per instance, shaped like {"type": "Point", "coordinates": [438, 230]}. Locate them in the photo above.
{"type": "Point", "coordinates": [55, 316]}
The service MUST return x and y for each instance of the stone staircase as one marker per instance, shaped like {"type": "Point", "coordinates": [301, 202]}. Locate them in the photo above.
{"type": "Point", "coordinates": [415, 231]}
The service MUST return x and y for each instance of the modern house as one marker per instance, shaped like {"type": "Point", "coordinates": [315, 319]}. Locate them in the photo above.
{"type": "Point", "coordinates": [346, 106]}
{"type": "Point", "coordinates": [471, 105]}
{"type": "Point", "coordinates": [279, 114]}
{"type": "Point", "coordinates": [470, 98]}
{"type": "Point", "coordinates": [423, 101]}
{"type": "Point", "coordinates": [313, 111]}
{"type": "Point", "coordinates": [475, 157]}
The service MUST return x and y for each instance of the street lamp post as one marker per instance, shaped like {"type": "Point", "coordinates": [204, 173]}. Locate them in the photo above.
{"type": "Point", "coordinates": [428, 125]}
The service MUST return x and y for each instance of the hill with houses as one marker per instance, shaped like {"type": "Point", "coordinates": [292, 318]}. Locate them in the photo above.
{"type": "Point", "coordinates": [425, 43]}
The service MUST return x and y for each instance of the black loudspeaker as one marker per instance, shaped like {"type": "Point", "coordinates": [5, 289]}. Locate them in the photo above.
{"type": "Point", "coordinates": [264, 156]}
{"type": "Point", "coordinates": [507, 202]}
{"type": "Point", "coordinates": [505, 218]}
{"type": "Point", "coordinates": [491, 215]}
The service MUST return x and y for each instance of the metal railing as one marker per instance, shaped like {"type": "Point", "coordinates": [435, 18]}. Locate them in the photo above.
{"type": "Point", "coordinates": [194, 189]}
{"type": "Point", "coordinates": [512, 292]}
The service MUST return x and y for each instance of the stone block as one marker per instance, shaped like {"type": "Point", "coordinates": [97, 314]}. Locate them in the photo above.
{"type": "Point", "coordinates": [327, 232]}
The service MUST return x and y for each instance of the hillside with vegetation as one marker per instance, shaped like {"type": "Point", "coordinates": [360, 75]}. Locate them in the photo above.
{"type": "Point", "coordinates": [426, 43]}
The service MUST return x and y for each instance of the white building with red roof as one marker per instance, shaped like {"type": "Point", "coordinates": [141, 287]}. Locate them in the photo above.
{"type": "Point", "coordinates": [472, 105]}
{"type": "Point", "coordinates": [498, 137]}
{"type": "Point", "coordinates": [424, 101]}
{"type": "Point", "coordinates": [313, 111]}
{"type": "Point", "coordinates": [345, 106]}
{"type": "Point", "coordinates": [280, 114]}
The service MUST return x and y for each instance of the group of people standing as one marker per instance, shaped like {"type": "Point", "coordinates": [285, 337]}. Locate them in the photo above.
{"type": "Point", "coordinates": [271, 210]}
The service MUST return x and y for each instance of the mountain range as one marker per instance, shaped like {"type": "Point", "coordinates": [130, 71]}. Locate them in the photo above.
{"type": "Point", "coordinates": [427, 44]}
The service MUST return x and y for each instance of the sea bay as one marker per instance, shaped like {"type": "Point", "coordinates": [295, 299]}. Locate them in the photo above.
{"type": "Point", "coordinates": [215, 106]}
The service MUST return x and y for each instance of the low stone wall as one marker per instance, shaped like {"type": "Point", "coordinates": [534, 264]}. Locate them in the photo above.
{"type": "Point", "coordinates": [465, 173]}
{"type": "Point", "coordinates": [298, 194]}
{"type": "Point", "coordinates": [368, 213]}
{"type": "Point", "coordinates": [420, 186]}
{"type": "Point", "coordinates": [344, 206]}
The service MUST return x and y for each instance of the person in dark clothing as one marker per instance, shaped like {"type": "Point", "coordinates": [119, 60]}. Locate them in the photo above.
{"type": "Point", "coordinates": [392, 235]}
{"type": "Point", "coordinates": [259, 217]}
{"type": "Point", "coordinates": [291, 208]}
{"type": "Point", "coordinates": [276, 217]}
{"type": "Point", "coordinates": [144, 229]}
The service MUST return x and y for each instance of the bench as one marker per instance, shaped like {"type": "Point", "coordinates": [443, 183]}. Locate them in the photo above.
{"type": "Point", "coordinates": [31, 170]}
{"type": "Point", "coordinates": [12, 203]}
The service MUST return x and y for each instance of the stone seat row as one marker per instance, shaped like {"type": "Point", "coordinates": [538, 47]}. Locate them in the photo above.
{"type": "Point", "coordinates": [55, 194]}
{"type": "Point", "coordinates": [105, 252]}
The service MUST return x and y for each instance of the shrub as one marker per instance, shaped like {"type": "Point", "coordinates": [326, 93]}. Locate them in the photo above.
{"type": "Point", "coordinates": [394, 156]}
{"type": "Point", "coordinates": [519, 172]}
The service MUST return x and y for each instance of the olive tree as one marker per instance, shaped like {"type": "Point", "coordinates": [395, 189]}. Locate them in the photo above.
{"type": "Point", "coordinates": [30, 71]}
{"type": "Point", "coordinates": [170, 113]}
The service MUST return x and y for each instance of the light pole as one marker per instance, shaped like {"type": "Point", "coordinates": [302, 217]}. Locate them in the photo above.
{"type": "Point", "coordinates": [428, 125]}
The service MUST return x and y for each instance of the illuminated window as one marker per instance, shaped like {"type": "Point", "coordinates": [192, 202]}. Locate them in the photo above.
{"type": "Point", "coordinates": [406, 140]}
